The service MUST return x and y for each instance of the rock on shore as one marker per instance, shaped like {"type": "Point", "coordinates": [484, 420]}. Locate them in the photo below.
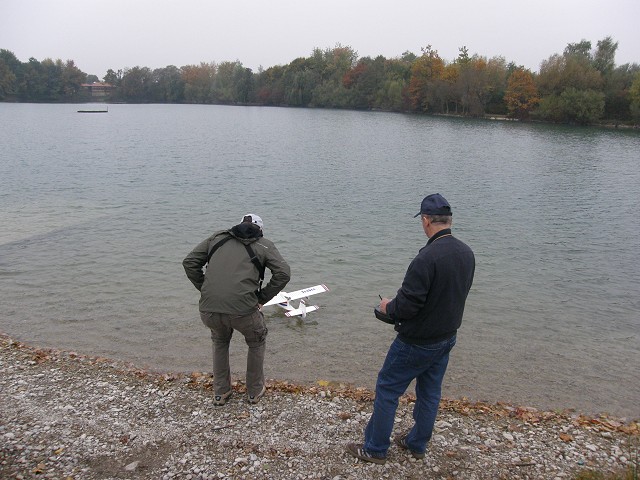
{"type": "Point", "coordinates": [69, 416]}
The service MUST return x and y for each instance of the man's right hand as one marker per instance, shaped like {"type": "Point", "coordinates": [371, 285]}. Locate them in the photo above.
{"type": "Point", "coordinates": [383, 305]}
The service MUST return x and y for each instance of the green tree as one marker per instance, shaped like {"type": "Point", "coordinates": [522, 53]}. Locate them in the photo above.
{"type": "Point", "coordinates": [634, 97]}
{"type": "Point", "coordinates": [560, 72]}
{"type": "Point", "coordinates": [10, 69]}
{"type": "Point", "coordinates": [198, 82]}
{"type": "Point", "coordinates": [392, 92]}
{"type": "Point", "coordinates": [480, 83]}
{"type": "Point", "coordinates": [580, 49]}
{"type": "Point", "coordinates": [52, 78]}
{"type": "Point", "coordinates": [72, 79]}
{"type": "Point", "coordinates": [32, 84]}
{"type": "Point", "coordinates": [7, 80]}
{"type": "Point", "coordinates": [574, 73]}
{"type": "Point", "coordinates": [223, 87]}
{"type": "Point", "coordinates": [299, 81]}
{"type": "Point", "coordinates": [168, 85]}
{"type": "Point", "coordinates": [616, 91]}
{"type": "Point", "coordinates": [243, 84]}
{"type": "Point", "coordinates": [136, 85]}
{"type": "Point", "coordinates": [113, 78]}
{"type": "Point", "coordinates": [363, 82]}
{"type": "Point", "coordinates": [270, 86]}
{"type": "Point", "coordinates": [582, 106]}
{"type": "Point", "coordinates": [604, 56]}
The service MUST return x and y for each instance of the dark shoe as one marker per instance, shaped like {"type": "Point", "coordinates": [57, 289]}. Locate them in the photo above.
{"type": "Point", "coordinates": [401, 441]}
{"type": "Point", "coordinates": [256, 398]}
{"type": "Point", "coordinates": [358, 451]}
{"type": "Point", "coordinates": [220, 400]}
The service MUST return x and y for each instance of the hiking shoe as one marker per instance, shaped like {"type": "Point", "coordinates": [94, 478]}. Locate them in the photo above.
{"type": "Point", "coordinates": [256, 398]}
{"type": "Point", "coordinates": [401, 441]}
{"type": "Point", "coordinates": [358, 451]}
{"type": "Point", "coordinates": [219, 400]}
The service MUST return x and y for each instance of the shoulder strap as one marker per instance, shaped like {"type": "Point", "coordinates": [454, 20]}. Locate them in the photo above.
{"type": "Point", "coordinates": [252, 256]}
{"type": "Point", "coordinates": [217, 246]}
{"type": "Point", "coordinates": [257, 263]}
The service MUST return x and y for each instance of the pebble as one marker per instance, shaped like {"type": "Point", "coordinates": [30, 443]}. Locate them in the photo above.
{"type": "Point", "coordinates": [64, 416]}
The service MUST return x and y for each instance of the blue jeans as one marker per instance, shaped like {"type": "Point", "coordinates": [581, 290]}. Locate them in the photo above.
{"type": "Point", "coordinates": [426, 364]}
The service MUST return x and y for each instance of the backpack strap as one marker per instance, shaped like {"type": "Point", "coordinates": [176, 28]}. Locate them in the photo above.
{"type": "Point", "coordinates": [252, 256]}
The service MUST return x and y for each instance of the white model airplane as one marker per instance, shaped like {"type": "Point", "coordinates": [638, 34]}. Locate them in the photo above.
{"type": "Point", "coordinates": [284, 299]}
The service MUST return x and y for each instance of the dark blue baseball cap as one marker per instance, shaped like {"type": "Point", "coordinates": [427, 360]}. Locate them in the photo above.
{"type": "Point", "coordinates": [434, 204]}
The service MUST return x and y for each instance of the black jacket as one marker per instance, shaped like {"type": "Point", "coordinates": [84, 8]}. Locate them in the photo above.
{"type": "Point", "coordinates": [429, 305]}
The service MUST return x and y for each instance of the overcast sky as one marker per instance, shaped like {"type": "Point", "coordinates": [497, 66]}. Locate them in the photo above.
{"type": "Point", "coordinates": [119, 34]}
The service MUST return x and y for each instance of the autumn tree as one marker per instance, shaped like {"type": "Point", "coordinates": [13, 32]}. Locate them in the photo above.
{"type": "Point", "coordinates": [425, 86]}
{"type": "Point", "coordinates": [521, 95]}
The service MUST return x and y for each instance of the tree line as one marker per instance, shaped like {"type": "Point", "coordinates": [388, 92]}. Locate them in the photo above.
{"type": "Point", "coordinates": [583, 85]}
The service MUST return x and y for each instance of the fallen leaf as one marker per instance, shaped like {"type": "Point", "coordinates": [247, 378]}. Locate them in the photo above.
{"type": "Point", "coordinates": [566, 438]}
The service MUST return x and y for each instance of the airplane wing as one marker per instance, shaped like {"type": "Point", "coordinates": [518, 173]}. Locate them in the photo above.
{"type": "Point", "coordinates": [279, 298]}
{"type": "Point", "coordinates": [305, 292]}
{"type": "Point", "coordinates": [298, 311]}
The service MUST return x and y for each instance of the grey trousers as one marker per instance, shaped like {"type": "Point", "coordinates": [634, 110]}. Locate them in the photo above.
{"type": "Point", "coordinates": [253, 328]}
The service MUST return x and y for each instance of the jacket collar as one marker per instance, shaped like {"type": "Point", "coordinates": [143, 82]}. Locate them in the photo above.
{"type": "Point", "coordinates": [437, 235]}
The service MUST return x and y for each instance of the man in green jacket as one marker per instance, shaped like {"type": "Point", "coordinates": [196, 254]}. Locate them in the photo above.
{"type": "Point", "coordinates": [231, 297]}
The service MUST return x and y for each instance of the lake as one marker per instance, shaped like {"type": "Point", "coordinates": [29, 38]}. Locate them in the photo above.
{"type": "Point", "coordinates": [97, 212]}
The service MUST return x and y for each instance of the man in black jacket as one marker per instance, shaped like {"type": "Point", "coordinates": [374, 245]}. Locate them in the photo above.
{"type": "Point", "coordinates": [427, 312]}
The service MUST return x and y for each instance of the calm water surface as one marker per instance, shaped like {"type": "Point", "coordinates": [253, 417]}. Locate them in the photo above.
{"type": "Point", "coordinates": [97, 212]}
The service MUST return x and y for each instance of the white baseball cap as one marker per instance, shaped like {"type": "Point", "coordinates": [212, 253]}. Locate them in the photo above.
{"type": "Point", "coordinates": [253, 218]}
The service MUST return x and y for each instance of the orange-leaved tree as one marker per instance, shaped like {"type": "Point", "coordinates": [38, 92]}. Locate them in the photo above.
{"type": "Point", "coordinates": [521, 95]}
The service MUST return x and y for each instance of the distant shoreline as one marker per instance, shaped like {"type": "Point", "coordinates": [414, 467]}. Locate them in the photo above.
{"type": "Point", "coordinates": [608, 124]}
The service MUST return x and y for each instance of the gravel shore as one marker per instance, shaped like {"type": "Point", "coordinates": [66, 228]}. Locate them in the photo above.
{"type": "Point", "coordinates": [69, 416]}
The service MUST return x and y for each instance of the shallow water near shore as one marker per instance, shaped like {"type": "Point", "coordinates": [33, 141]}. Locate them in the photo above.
{"type": "Point", "coordinates": [98, 211]}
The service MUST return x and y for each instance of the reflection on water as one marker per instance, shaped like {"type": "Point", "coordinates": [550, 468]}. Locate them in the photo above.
{"type": "Point", "coordinates": [97, 213]}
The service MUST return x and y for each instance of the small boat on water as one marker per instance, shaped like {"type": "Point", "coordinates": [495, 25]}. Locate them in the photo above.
{"type": "Point", "coordinates": [101, 110]}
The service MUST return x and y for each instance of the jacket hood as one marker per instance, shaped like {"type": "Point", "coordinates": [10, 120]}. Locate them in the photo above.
{"type": "Point", "coordinates": [246, 232]}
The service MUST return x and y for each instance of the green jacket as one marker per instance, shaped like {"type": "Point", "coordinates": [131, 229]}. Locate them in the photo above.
{"type": "Point", "coordinates": [231, 280]}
